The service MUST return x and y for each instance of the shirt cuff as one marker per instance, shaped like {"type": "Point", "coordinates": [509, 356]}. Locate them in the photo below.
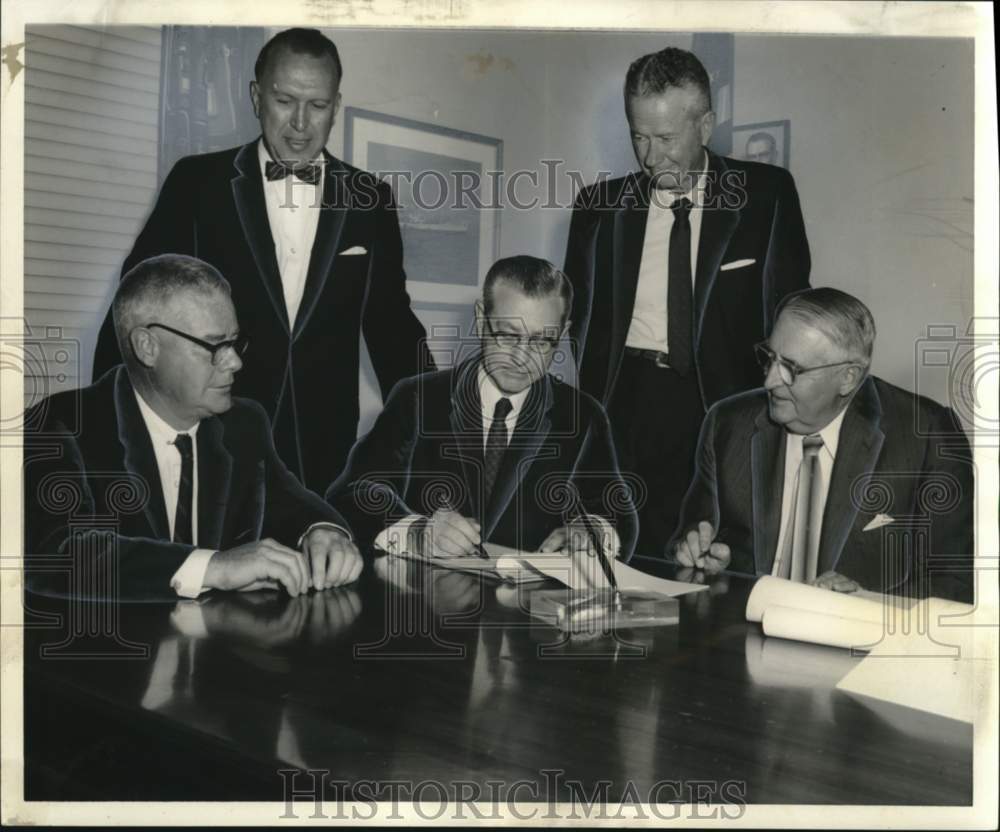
{"type": "Point", "coordinates": [188, 581]}
{"type": "Point", "coordinates": [394, 539]}
{"type": "Point", "coordinates": [325, 525]}
{"type": "Point", "coordinates": [606, 534]}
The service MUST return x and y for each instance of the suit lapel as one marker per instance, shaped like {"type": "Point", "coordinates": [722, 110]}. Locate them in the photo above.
{"type": "Point", "coordinates": [533, 426]}
{"type": "Point", "coordinates": [717, 226]}
{"type": "Point", "coordinates": [215, 467]}
{"type": "Point", "coordinates": [767, 463]}
{"type": "Point", "coordinates": [465, 417]}
{"type": "Point", "coordinates": [858, 448]}
{"type": "Point", "coordinates": [139, 457]}
{"type": "Point", "coordinates": [331, 223]}
{"type": "Point", "coordinates": [628, 238]}
{"type": "Point", "coordinates": [248, 194]}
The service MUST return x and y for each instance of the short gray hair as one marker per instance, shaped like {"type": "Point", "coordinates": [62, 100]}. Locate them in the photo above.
{"type": "Point", "coordinates": [532, 276]}
{"type": "Point", "coordinates": [153, 283]}
{"type": "Point", "coordinates": [844, 319]}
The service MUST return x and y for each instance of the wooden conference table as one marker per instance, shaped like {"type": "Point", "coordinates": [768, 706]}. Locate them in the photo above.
{"type": "Point", "coordinates": [414, 675]}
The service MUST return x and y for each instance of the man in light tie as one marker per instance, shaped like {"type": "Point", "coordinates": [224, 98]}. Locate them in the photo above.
{"type": "Point", "coordinates": [830, 475]}
{"type": "Point", "coordinates": [156, 481]}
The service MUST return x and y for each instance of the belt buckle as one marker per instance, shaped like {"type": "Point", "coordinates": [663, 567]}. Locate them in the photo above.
{"type": "Point", "coordinates": [662, 360]}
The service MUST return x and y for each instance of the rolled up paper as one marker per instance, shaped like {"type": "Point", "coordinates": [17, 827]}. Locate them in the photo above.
{"type": "Point", "coordinates": [821, 628]}
{"type": "Point", "coordinates": [770, 591]}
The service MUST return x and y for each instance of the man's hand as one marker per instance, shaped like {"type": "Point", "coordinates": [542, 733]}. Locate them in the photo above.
{"type": "Point", "coordinates": [334, 559]}
{"type": "Point", "coordinates": [579, 545]}
{"type": "Point", "coordinates": [836, 582]}
{"type": "Point", "coordinates": [450, 535]}
{"type": "Point", "coordinates": [699, 550]}
{"type": "Point", "coordinates": [263, 563]}
{"type": "Point", "coordinates": [573, 537]}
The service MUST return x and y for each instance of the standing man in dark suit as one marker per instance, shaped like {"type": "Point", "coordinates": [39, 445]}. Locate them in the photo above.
{"type": "Point", "coordinates": [312, 248]}
{"type": "Point", "coordinates": [156, 481]}
{"type": "Point", "coordinates": [677, 270]}
{"type": "Point", "coordinates": [494, 449]}
{"type": "Point", "coordinates": [829, 475]}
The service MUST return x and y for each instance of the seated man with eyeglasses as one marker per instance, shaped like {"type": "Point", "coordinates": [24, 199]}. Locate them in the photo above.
{"type": "Point", "coordinates": [829, 475]}
{"type": "Point", "coordinates": [155, 482]}
{"type": "Point", "coordinates": [494, 449]}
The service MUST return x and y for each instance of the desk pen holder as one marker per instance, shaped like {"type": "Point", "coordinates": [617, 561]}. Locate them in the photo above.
{"type": "Point", "coordinates": [575, 610]}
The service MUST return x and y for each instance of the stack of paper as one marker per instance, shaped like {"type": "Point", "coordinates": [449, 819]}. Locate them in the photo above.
{"type": "Point", "coordinates": [929, 655]}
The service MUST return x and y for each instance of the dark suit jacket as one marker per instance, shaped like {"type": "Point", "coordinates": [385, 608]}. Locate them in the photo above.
{"type": "Point", "coordinates": [884, 465]}
{"type": "Point", "coordinates": [89, 465]}
{"type": "Point", "coordinates": [306, 376]}
{"type": "Point", "coordinates": [756, 217]}
{"type": "Point", "coordinates": [426, 447]}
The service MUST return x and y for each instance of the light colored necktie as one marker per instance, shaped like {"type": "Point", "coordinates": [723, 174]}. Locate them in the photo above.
{"type": "Point", "coordinates": [800, 553]}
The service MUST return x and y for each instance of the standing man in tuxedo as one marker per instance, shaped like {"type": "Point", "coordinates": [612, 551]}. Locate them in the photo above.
{"type": "Point", "coordinates": [313, 250]}
{"type": "Point", "coordinates": [677, 270]}
{"type": "Point", "coordinates": [494, 449]}
{"type": "Point", "coordinates": [829, 475]}
{"type": "Point", "coordinates": [156, 480]}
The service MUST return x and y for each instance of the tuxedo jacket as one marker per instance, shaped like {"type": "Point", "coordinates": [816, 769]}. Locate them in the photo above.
{"type": "Point", "coordinates": [93, 499]}
{"type": "Point", "coordinates": [899, 456]}
{"type": "Point", "coordinates": [426, 450]}
{"type": "Point", "coordinates": [752, 251]}
{"type": "Point", "coordinates": [305, 374]}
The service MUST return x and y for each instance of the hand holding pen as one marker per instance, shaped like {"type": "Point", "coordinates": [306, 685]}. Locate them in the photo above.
{"type": "Point", "coordinates": [448, 534]}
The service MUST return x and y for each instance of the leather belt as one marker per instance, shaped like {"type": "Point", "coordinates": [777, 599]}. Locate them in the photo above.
{"type": "Point", "coordinates": [660, 359]}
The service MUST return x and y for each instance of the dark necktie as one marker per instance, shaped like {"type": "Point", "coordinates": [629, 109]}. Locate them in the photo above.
{"type": "Point", "coordinates": [680, 314]}
{"type": "Point", "coordinates": [182, 517]}
{"type": "Point", "coordinates": [279, 170]}
{"type": "Point", "coordinates": [496, 444]}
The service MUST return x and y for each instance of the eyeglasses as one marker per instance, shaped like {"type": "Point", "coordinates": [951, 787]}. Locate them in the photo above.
{"type": "Point", "coordinates": [788, 370]}
{"type": "Point", "coordinates": [509, 340]}
{"type": "Point", "coordinates": [238, 345]}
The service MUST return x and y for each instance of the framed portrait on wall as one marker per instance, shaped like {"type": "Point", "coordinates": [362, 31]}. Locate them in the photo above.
{"type": "Point", "coordinates": [444, 183]}
{"type": "Point", "coordinates": [766, 141]}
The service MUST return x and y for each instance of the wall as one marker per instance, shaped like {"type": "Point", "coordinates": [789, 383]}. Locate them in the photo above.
{"type": "Point", "coordinates": [91, 111]}
{"type": "Point", "coordinates": [882, 152]}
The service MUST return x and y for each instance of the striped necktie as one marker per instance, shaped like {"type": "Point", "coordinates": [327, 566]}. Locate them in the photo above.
{"type": "Point", "coordinates": [800, 553]}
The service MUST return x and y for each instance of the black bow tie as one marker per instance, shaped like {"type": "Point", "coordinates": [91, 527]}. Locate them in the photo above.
{"type": "Point", "coordinates": [279, 170]}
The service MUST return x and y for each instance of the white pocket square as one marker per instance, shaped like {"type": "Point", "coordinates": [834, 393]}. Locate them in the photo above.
{"type": "Point", "coordinates": [352, 251]}
{"type": "Point", "coordinates": [878, 521]}
{"type": "Point", "coordinates": [736, 264]}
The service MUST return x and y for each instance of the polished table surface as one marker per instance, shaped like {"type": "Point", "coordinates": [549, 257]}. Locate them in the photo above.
{"type": "Point", "coordinates": [416, 674]}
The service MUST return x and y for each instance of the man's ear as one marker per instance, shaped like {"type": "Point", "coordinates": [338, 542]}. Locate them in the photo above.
{"type": "Point", "coordinates": [852, 378]}
{"type": "Point", "coordinates": [255, 97]}
{"type": "Point", "coordinates": [480, 318]}
{"type": "Point", "coordinates": [707, 126]}
{"type": "Point", "coordinates": [145, 347]}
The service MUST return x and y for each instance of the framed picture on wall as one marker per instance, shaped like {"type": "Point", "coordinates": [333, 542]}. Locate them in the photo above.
{"type": "Point", "coordinates": [444, 182]}
{"type": "Point", "coordinates": [765, 141]}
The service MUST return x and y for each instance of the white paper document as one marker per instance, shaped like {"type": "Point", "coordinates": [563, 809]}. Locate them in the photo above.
{"type": "Point", "coordinates": [523, 567]}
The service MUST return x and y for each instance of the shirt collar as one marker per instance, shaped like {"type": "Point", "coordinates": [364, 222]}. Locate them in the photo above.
{"type": "Point", "coordinates": [830, 434]}
{"type": "Point", "coordinates": [264, 156]}
{"type": "Point", "coordinates": [490, 394]}
{"type": "Point", "coordinates": [159, 431]}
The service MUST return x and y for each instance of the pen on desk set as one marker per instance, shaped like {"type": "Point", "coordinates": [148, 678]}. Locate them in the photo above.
{"type": "Point", "coordinates": [609, 571]}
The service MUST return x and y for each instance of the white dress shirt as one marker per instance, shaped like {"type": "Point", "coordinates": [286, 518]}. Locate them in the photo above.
{"type": "Point", "coordinates": [793, 459]}
{"type": "Point", "coordinates": [186, 581]}
{"type": "Point", "coordinates": [293, 213]}
{"type": "Point", "coordinates": [489, 395]}
{"type": "Point", "coordinates": [393, 539]}
{"type": "Point", "coordinates": [648, 330]}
